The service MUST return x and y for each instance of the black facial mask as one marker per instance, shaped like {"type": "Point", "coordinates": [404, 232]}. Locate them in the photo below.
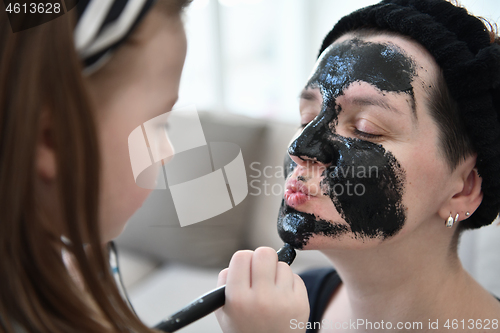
{"type": "Point", "coordinates": [364, 181]}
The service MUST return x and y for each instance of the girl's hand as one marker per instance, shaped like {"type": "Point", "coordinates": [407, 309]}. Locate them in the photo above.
{"type": "Point", "coordinates": [262, 294]}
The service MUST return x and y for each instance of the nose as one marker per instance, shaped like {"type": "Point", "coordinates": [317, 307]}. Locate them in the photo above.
{"type": "Point", "coordinates": [314, 145]}
{"type": "Point", "coordinates": [303, 161]}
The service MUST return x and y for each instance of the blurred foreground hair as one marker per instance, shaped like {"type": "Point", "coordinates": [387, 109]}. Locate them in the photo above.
{"type": "Point", "coordinates": [41, 78]}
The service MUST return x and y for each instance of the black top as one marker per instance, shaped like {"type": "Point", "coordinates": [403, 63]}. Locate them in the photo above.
{"type": "Point", "coordinates": [320, 284]}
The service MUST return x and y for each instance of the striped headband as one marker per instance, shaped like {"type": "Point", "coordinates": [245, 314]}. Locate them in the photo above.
{"type": "Point", "coordinates": [103, 25]}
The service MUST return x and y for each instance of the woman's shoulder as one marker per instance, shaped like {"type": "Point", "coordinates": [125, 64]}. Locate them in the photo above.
{"type": "Point", "coordinates": [473, 302]}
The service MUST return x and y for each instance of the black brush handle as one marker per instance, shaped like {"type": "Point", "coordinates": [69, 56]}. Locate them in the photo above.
{"type": "Point", "coordinates": [211, 301]}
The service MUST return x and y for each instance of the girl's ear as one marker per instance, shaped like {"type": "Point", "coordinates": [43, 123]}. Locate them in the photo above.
{"type": "Point", "coordinates": [469, 194]}
{"type": "Point", "coordinates": [45, 149]}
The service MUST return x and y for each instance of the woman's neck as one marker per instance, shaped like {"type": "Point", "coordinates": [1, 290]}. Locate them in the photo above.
{"type": "Point", "coordinates": [409, 279]}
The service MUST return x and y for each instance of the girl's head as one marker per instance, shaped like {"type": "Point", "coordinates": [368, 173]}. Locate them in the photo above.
{"type": "Point", "coordinates": [401, 129]}
{"type": "Point", "coordinates": [64, 166]}
{"type": "Point", "coordinates": [140, 83]}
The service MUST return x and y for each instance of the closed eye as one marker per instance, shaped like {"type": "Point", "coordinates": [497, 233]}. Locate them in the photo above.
{"type": "Point", "coordinates": [366, 135]}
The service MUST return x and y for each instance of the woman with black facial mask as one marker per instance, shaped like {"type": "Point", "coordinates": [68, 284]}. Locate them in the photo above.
{"type": "Point", "coordinates": [399, 154]}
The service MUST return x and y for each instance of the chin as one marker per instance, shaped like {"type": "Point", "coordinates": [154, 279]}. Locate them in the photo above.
{"type": "Point", "coordinates": [109, 235]}
{"type": "Point", "coordinates": [112, 225]}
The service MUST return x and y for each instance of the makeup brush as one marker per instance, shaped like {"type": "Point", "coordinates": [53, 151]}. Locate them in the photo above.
{"type": "Point", "coordinates": [211, 301]}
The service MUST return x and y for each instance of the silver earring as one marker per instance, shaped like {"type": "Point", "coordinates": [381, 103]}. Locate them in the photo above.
{"type": "Point", "coordinates": [467, 214]}
{"type": "Point", "coordinates": [456, 218]}
{"type": "Point", "coordinates": [449, 222]}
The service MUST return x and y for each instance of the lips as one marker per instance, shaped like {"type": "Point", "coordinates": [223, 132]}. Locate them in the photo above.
{"type": "Point", "coordinates": [296, 193]}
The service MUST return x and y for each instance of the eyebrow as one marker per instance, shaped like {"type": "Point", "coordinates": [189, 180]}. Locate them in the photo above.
{"type": "Point", "coordinates": [308, 95]}
{"type": "Point", "coordinates": [382, 103]}
{"type": "Point", "coordinates": [374, 101]}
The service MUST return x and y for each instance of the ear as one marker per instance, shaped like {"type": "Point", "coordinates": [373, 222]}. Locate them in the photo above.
{"type": "Point", "coordinates": [468, 194]}
{"type": "Point", "coordinates": [45, 149]}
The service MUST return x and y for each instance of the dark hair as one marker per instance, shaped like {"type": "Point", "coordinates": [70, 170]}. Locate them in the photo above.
{"type": "Point", "coordinates": [41, 75]}
{"type": "Point", "coordinates": [456, 145]}
{"type": "Point", "coordinates": [455, 142]}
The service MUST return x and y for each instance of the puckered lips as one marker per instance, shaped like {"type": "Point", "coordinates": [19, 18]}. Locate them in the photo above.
{"type": "Point", "coordinates": [296, 193]}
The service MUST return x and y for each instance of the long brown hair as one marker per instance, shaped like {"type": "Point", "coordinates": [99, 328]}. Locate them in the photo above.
{"type": "Point", "coordinates": [40, 71]}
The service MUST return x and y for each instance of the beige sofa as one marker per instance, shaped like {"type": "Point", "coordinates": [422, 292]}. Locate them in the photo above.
{"type": "Point", "coordinates": [165, 266]}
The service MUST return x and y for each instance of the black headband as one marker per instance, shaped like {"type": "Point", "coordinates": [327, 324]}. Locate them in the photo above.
{"type": "Point", "coordinates": [102, 25]}
{"type": "Point", "coordinates": [461, 46]}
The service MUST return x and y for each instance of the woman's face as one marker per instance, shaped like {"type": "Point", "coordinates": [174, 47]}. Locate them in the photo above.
{"type": "Point", "coordinates": [140, 82]}
{"type": "Point", "coordinates": [366, 167]}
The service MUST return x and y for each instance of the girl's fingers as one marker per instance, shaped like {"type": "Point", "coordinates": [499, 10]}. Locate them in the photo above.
{"type": "Point", "coordinates": [300, 292]}
{"type": "Point", "coordinates": [284, 276]}
{"type": "Point", "coordinates": [238, 276]}
{"type": "Point", "coordinates": [299, 286]}
{"type": "Point", "coordinates": [262, 294]}
{"type": "Point", "coordinates": [222, 277]}
{"type": "Point", "coordinates": [264, 265]}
